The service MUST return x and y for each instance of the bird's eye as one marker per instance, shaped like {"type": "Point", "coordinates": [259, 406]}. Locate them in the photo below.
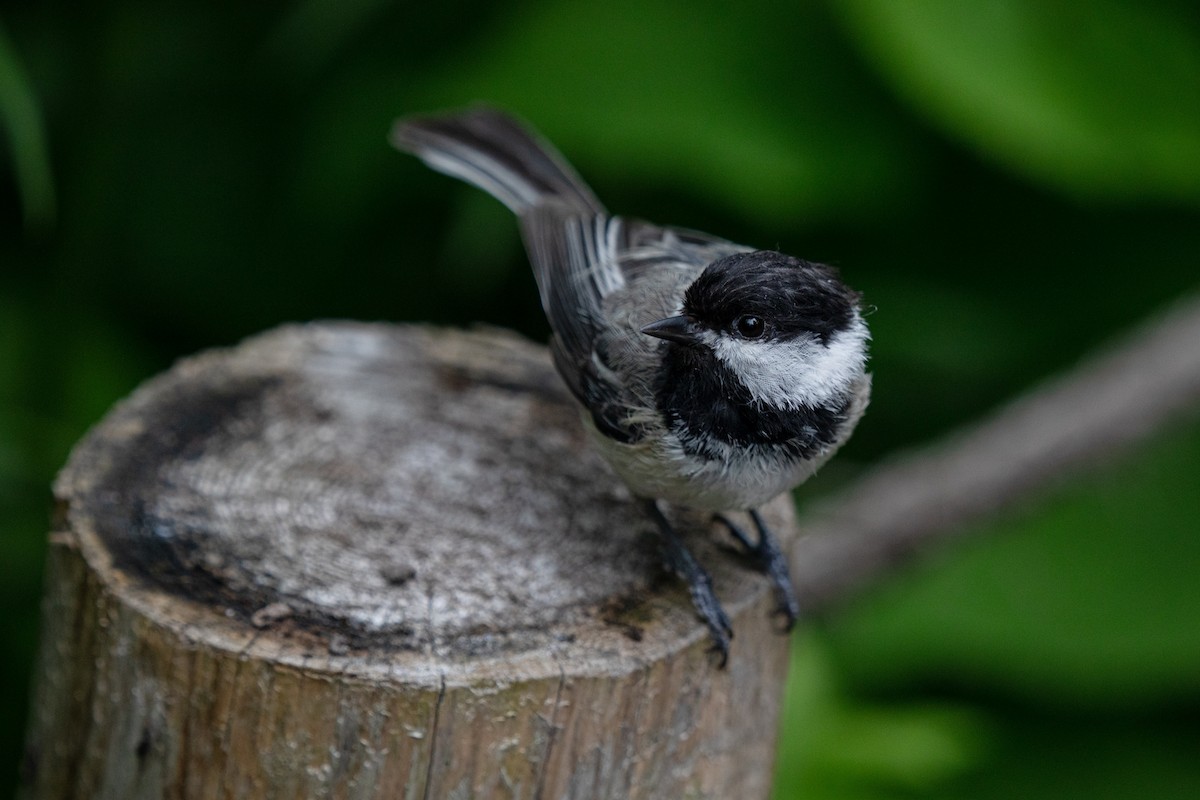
{"type": "Point", "coordinates": [750, 326]}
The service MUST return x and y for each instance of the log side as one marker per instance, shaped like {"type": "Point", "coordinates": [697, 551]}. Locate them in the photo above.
{"type": "Point", "coordinates": [361, 561]}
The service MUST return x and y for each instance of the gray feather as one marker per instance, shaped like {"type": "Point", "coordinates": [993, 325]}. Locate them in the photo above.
{"type": "Point", "coordinates": [592, 269]}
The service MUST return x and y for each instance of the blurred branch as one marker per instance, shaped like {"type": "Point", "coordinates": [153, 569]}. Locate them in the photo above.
{"type": "Point", "coordinates": [1090, 415]}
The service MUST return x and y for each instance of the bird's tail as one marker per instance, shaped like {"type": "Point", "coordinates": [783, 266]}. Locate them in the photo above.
{"type": "Point", "coordinates": [499, 155]}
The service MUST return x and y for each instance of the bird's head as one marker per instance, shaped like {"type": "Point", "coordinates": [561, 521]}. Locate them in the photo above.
{"type": "Point", "coordinates": [788, 329]}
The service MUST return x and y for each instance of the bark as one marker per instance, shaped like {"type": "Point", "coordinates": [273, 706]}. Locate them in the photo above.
{"type": "Point", "coordinates": [359, 561]}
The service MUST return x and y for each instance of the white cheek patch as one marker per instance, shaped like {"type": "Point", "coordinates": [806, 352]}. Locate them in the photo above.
{"type": "Point", "coordinates": [800, 372]}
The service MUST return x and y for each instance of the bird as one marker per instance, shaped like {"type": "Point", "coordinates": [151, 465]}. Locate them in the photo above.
{"type": "Point", "coordinates": [711, 376]}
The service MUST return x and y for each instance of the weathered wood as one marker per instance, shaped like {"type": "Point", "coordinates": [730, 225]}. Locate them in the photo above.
{"type": "Point", "coordinates": [361, 561]}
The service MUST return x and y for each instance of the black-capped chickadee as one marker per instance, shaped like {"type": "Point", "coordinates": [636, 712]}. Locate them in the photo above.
{"type": "Point", "coordinates": [712, 376]}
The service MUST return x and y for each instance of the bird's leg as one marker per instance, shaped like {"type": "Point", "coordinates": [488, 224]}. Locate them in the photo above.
{"type": "Point", "coordinates": [680, 560]}
{"type": "Point", "coordinates": [769, 559]}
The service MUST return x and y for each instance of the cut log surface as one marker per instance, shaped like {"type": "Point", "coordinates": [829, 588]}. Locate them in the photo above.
{"type": "Point", "coordinates": [367, 561]}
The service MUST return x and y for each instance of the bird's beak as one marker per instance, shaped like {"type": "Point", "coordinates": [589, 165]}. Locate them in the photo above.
{"type": "Point", "coordinates": [681, 329]}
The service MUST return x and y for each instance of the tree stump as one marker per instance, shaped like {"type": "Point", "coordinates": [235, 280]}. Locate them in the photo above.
{"type": "Point", "coordinates": [362, 561]}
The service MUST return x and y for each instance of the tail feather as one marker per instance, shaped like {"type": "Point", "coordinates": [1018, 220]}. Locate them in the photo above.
{"type": "Point", "coordinates": [573, 243]}
{"type": "Point", "coordinates": [495, 153]}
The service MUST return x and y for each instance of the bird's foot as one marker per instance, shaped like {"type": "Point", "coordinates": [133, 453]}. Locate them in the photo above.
{"type": "Point", "coordinates": [769, 559]}
{"type": "Point", "coordinates": [679, 559]}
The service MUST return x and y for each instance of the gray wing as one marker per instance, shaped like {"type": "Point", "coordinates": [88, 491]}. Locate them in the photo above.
{"type": "Point", "coordinates": [603, 278]}
{"type": "Point", "coordinates": [595, 273]}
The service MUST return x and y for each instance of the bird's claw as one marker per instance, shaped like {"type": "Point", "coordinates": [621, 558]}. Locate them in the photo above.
{"type": "Point", "coordinates": [769, 559]}
{"type": "Point", "coordinates": [679, 560]}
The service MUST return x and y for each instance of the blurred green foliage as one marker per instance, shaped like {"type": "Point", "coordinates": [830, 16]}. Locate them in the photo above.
{"type": "Point", "coordinates": [1009, 182]}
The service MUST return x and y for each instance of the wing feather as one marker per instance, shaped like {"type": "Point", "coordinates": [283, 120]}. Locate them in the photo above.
{"type": "Point", "coordinates": [587, 263]}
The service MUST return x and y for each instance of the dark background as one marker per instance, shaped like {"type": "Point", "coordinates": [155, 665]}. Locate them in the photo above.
{"type": "Point", "coordinates": [1010, 183]}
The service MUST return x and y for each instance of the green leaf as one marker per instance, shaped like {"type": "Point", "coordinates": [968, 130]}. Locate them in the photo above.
{"type": "Point", "coordinates": [20, 115]}
{"type": "Point", "coordinates": [690, 97]}
{"type": "Point", "coordinates": [834, 745]}
{"type": "Point", "coordinates": [1101, 99]}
